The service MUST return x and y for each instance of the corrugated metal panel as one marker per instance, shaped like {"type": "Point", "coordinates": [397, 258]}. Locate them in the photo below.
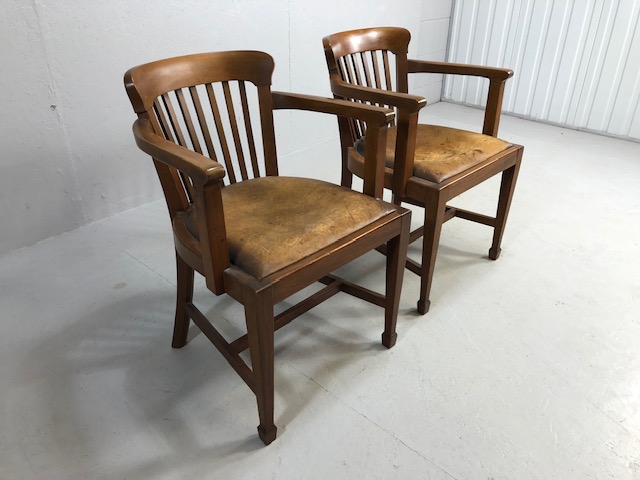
{"type": "Point", "coordinates": [577, 62]}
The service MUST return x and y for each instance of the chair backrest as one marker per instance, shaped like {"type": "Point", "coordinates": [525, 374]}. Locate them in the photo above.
{"type": "Point", "coordinates": [207, 103]}
{"type": "Point", "coordinates": [210, 104]}
{"type": "Point", "coordinates": [376, 58]}
{"type": "Point", "coordinates": [370, 57]}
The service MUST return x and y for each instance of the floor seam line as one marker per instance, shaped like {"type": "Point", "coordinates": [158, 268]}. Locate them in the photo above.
{"type": "Point", "coordinates": [373, 422]}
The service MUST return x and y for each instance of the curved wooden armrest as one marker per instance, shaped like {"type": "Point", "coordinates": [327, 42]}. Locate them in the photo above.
{"type": "Point", "coordinates": [373, 116]}
{"type": "Point", "coordinates": [408, 107]}
{"type": "Point", "coordinates": [492, 73]}
{"type": "Point", "coordinates": [200, 168]}
{"type": "Point", "coordinates": [403, 101]}
{"type": "Point", "coordinates": [207, 175]}
{"type": "Point", "coordinates": [497, 78]}
{"type": "Point", "coordinates": [376, 119]}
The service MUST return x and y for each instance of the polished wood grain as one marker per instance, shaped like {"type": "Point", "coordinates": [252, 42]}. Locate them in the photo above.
{"type": "Point", "coordinates": [207, 122]}
{"type": "Point", "coordinates": [371, 66]}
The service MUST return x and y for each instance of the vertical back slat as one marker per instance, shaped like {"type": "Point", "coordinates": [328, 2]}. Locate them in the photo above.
{"type": "Point", "coordinates": [365, 69]}
{"type": "Point", "coordinates": [354, 63]}
{"type": "Point", "coordinates": [344, 75]}
{"type": "Point", "coordinates": [341, 69]}
{"type": "Point", "coordinates": [161, 123]}
{"type": "Point", "coordinates": [202, 120]}
{"type": "Point", "coordinates": [349, 71]}
{"type": "Point", "coordinates": [188, 121]}
{"type": "Point", "coordinates": [234, 129]}
{"type": "Point", "coordinates": [376, 69]}
{"type": "Point", "coordinates": [247, 122]}
{"type": "Point", "coordinates": [354, 75]}
{"type": "Point", "coordinates": [172, 131]}
{"type": "Point", "coordinates": [173, 119]}
{"type": "Point", "coordinates": [221, 135]}
{"type": "Point", "coordinates": [204, 127]}
{"type": "Point", "coordinates": [387, 69]}
{"type": "Point", "coordinates": [369, 72]}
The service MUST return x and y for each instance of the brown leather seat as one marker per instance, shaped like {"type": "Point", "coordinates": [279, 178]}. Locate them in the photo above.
{"type": "Point", "coordinates": [442, 152]}
{"type": "Point", "coordinates": [269, 229]}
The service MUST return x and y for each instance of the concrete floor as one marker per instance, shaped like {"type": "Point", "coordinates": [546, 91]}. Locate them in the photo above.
{"type": "Point", "coordinates": [528, 367]}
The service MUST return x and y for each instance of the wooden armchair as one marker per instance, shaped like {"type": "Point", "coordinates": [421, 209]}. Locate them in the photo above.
{"type": "Point", "coordinates": [258, 238]}
{"type": "Point", "coordinates": [426, 165]}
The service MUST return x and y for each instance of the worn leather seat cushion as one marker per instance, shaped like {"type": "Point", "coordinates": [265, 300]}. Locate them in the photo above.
{"type": "Point", "coordinates": [273, 222]}
{"type": "Point", "coordinates": [442, 152]}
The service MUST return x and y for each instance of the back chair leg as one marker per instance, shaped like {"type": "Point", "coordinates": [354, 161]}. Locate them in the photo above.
{"type": "Point", "coordinates": [434, 216]}
{"type": "Point", "coordinates": [260, 329]}
{"type": "Point", "coordinates": [346, 179]}
{"type": "Point", "coordinates": [507, 186]}
{"type": "Point", "coordinates": [184, 296]}
{"type": "Point", "coordinates": [396, 258]}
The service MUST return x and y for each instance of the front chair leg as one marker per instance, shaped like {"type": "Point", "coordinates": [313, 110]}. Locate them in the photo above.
{"type": "Point", "coordinates": [258, 307]}
{"type": "Point", "coordinates": [184, 296]}
{"type": "Point", "coordinates": [396, 258]}
{"type": "Point", "coordinates": [434, 216]}
{"type": "Point", "coordinates": [507, 187]}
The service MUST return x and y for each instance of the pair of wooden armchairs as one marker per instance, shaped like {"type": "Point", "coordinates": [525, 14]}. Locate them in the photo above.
{"type": "Point", "coordinates": [207, 122]}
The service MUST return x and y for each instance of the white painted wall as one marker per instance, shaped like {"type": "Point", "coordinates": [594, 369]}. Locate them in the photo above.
{"type": "Point", "coordinates": [432, 45]}
{"type": "Point", "coordinates": [576, 62]}
{"type": "Point", "coordinates": [67, 153]}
